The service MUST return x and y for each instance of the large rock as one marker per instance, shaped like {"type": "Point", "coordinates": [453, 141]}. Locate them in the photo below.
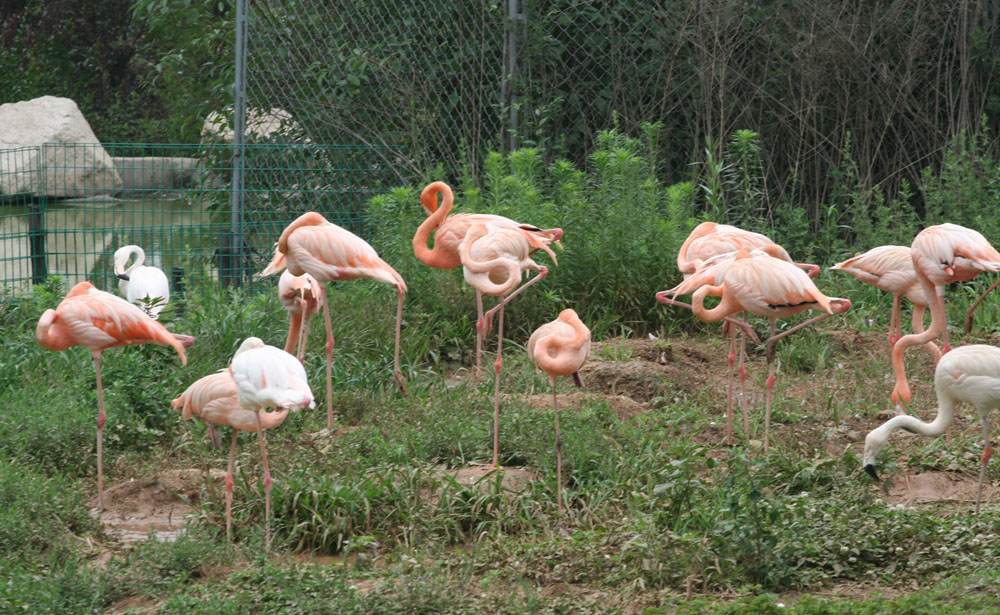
{"type": "Point", "coordinates": [163, 173]}
{"type": "Point", "coordinates": [51, 150]}
{"type": "Point", "coordinates": [262, 126]}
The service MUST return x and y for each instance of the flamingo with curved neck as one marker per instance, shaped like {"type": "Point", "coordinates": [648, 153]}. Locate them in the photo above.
{"type": "Point", "coordinates": [769, 287]}
{"type": "Point", "coordinates": [493, 261]}
{"type": "Point", "coordinates": [941, 254]}
{"type": "Point", "coordinates": [450, 231]}
{"type": "Point", "coordinates": [560, 348]}
{"type": "Point", "coordinates": [968, 373]}
{"type": "Point", "coordinates": [710, 239]}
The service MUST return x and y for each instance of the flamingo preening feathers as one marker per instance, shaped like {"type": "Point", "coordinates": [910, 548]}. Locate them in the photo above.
{"type": "Point", "coordinates": [450, 231]}
{"type": "Point", "coordinates": [493, 261]}
{"type": "Point", "coordinates": [99, 320]}
{"type": "Point", "coordinates": [560, 348]}
{"type": "Point", "coordinates": [300, 295]}
{"type": "Point", "coordinates": [941, 254]}
{"type": "Point", "coordinates": [141, 284]}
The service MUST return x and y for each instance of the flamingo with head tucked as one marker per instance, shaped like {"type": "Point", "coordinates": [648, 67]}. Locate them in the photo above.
{"type": "Point", "coordinates": [99, 320]}
{"type": "Point", "coordinates": [710, 239]}
{"type": "Point", "coordinates": [560, 348]}
{"type": "Point", "coordinates": [449, 232]}
{"type": "Point", "coordinates": [941, 254]}
{"type": "Point", "coordinates": [493, 261]}
{"type": "Point", "coordinates": [213, 400]}
{"type": "Point", "coordinates": [328, 252]}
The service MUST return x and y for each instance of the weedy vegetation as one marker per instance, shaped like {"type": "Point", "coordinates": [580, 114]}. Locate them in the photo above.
{"type": "Point", "coordinates": [376, 517]}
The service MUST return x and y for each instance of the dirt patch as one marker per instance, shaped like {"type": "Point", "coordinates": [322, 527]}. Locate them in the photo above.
{"type": "Point", "coordinates": [134, 604]}
{"type": "Point", "coordinates": [623, 407]}
{"type": "Point", "coordinates": [512, 478]}
{"type": "Point", "coordinates": [136, 507]}
{"type": "Point", "coordinates": [937, 487]}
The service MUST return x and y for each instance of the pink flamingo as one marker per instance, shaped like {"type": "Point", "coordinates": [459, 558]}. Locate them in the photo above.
{"type": "Point", "coordinates": [710, 239]}
{"type": "Point", "coordinates": [968, 373]}
{"type": "Point", "coordinates": [451, 230]}
{"type": "Point", "coordinates": [300, 296]}
{"type": "Point", "coordinates": [328, 252]}
{"type": "Point", "coordinates": [268, 377]}
{"type": "Point", "coordinates": [493, 261]}
{"type": "Point", "coordinates": [213, 400]}
{"type": "Point", "coordinates": [941, 254]}
{"type": "Point", "coordinates": [560, 348]}
{"type": "Point", "coordinates": [890, 268]}
{"type": "Point", "coordinates": [769, 287]}
{"type": "Point", "coordinates": [99, 320]}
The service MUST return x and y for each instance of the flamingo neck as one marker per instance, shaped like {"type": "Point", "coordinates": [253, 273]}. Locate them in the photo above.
{"type": "Point", "coordinates": [901, 392]}
{"type": "Point", "coordinates": [436, 215]}
{"type": "Point", "coordinates": [726, 307]}
{"type": "Point", "coordinates": [705, 228]}
{"type": "Point", "coordinates": [270, 420]}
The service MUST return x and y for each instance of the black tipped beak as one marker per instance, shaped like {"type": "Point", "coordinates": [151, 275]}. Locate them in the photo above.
{"type": "Point", "coordinates": [122, 276]}
{"type": "Point", "coordinates": [871, 472]}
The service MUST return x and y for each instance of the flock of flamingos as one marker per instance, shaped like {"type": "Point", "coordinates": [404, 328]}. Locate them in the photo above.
{"type": "Point", "coordinates": [746, 271]}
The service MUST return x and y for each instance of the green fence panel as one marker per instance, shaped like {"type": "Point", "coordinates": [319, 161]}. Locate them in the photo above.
{"type": "Point", "coordinates": [66, 208]}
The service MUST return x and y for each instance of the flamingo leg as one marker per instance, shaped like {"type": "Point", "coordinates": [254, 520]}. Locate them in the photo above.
{"type": "Point", "coordinates": [972, 308]}
{"type": "Point", "coordinates": [732, 377]}
{"type": "Point", "coordinates": [743, 383]}
{"type": "Point", "coordinates": [329, 361]}
{"type": "Point", "coordinates": [479, 334]}
{"type": "Point", "coordinates": [662, 298]}
{"type": "Point", "coordinates": [987, 453]}
{"type": "Point", "coordinates": [894, 323]}
{"type": "Point", "coordinates": [944, 333]}
{"type": "Point", "coordinates": [213, 436]}
{"type": "Point", "coordinates": [294, 328]}
{"type": "Point", "coordinates": [555, 410]}
{"type": "Point", "coordinates": [303, 340]}
{"type": "Point", "coordinates": [229, 488]}
{"type": "Point", "coordinates": [488, 317]}
{"type": "Point", "coordinates": [101, 418]}
{"type": "Point", "coordinates": [496, 396]}
{"type": "Point", "coordinates": [396, 373]}
{"type": "Point", "coordinates": [267, 479]}
{"type": "Point", "coordinates": [770, 384]}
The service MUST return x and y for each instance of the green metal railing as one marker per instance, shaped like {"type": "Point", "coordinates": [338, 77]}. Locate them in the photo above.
{"type": "Point", "coordinates": [66, 208]}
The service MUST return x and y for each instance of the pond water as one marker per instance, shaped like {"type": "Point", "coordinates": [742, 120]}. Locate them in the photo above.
{"type": "Point", "coordinates": [82, 235]}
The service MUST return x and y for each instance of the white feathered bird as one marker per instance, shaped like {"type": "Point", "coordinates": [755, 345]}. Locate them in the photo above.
{"type": "Point", "coordinates": [268, 377]}
{"type": "Point", "coordinates": [141, 284]}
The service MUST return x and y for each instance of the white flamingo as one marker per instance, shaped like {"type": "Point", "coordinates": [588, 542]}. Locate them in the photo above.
{"type": "Point", "coordinates": [141, 284]}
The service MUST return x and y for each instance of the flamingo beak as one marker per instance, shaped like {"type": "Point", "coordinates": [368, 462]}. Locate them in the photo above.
{"type": "Point", "coordinates": [870, 468]}
{"type": "Point", "coordinates": [122, 276]}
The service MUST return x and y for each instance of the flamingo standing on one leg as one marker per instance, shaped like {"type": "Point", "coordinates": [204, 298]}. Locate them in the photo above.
{"type": "Point", "coordinates": [141, 284]}
{"type": "Point", "coordinates": [268, 377]}
{"type": "Point", "coordinates": [328, 252]}
{"type": "Point", "coordinates": [493, 261]}
{"type": "Point", "coordinates": [451, 230]}
{"type": "Point", "coordinates": [213, 400]}
{"type": "Point", "coordinates": [772, 288]}
{"type": "Point", "coordinates": [560, 348]}
{"type": "Point", "coordinates": [890, 268]}
{"type": "Point", "coordinates": [941, 254]}
{"type": "Point", "coordinates": [968, 373]}
{"type": "Point", "coordinates": [99, 320]}
{"type": "Point", "coordinates": [300, 295]}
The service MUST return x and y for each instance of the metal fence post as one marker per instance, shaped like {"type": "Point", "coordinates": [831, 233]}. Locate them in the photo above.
{"type": "Point", "coordinates": [510, 96]}
{"type": "Point", "coordinates": [234, 261]}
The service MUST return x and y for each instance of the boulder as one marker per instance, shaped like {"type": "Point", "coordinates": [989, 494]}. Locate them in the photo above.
{"type": "Point", "coordinates": [162, 173]}
{"type": "Point", "coordinates": [51, 150]}
{"type": "Point", "coordinates": [262, 126]}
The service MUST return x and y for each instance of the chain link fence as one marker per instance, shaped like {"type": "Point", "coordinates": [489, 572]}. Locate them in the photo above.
{"type": "Point", "coordinates": [66, 208]}
{"type": "Point", "coordinates": [447, 82]}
